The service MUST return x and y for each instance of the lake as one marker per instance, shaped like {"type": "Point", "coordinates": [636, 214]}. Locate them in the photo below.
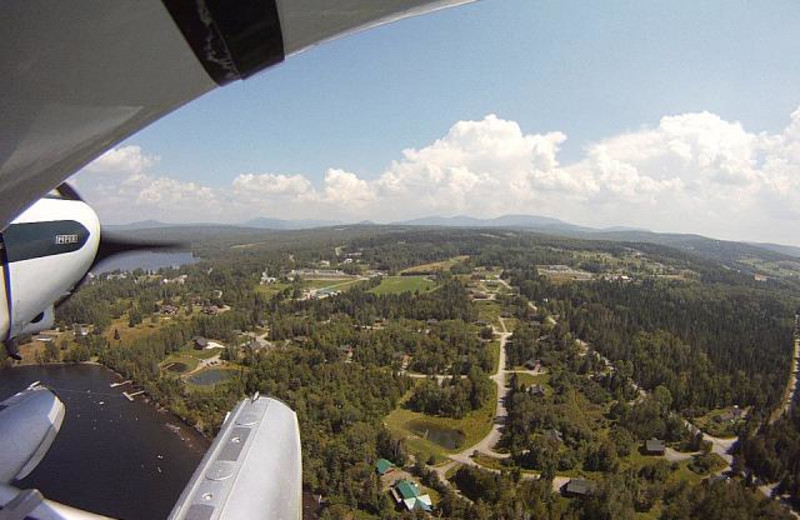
{"type": "Point", "coordinates": [112, 457]}
{"type": "Point", "coordinates": [144, 260]}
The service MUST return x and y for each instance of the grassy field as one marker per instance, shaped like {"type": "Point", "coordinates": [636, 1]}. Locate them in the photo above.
{"type": "Point", "coordinates": [202, 354]}
{"type": "Point", "coordinates": [333, 283]}
{"type": "Point", "coordinates": [129, 334]}
{"type": "Point", "coordinates": [190, 362]}
{"type": "Point", "coordinates": [272, 289]}
{"type": "Point", "coordinates": [494, 351]}
{"type": "Point", "coordinates": [444, 265]}
{"type": "Point", "coordinates": [489, 311]}
{"type": "Point", "coordinates": [489, 462]}
{"type": "Point", "coordinates": [511, 324]}
{"type": "Point", "coordinates": [712, 427]}
{"type": "Point", "coordinates": [475, 426]}
{"type": "Point", "coordinates": [400, 284]}
{"type": "Point", "coordinates": [529, 380]}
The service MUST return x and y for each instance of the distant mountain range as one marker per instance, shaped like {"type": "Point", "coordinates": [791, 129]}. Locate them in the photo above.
{"type": "Point", "coordinates": [279, 224]}
{"type": "Point", "coordinates": [256, 223]}
{"type": "Point", "coordinates": [698, 244]}
{"type": "Point", "coordinates": [510, 221]}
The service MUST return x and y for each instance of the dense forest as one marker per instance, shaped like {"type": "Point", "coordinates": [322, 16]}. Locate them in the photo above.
{"type": "Point", "coordinates": [691, 333]}
{"type": "Point", "coordinates": [710, 344]}
{"type": "Point", "coordinates": [773, 454]}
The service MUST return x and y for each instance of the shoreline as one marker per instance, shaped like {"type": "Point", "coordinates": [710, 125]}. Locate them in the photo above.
{"type": "Point", "coordinates": [146, 397]}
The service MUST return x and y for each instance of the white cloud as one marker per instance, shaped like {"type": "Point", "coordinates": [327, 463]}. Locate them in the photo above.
{"type": "Point", "coordinates": [346, 188]}
{"type": "Point", "coordinates": [126, 160]}
{"type": "Point", "coordinates": [692, 172]}
{"type": "Point", "coordinates": [270, 185]}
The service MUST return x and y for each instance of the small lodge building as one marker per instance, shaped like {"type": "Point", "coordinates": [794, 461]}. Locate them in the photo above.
{"type": "Point", "coordinates": [578, 487]}
{"type": "Point", "coordinates": [533, 364]}
{"type": "Point", "coordinates": [729, 416]}
{"type": "Point", "coordinates": [258, 344]}
{"type": "Point", "coordinates": [408, 495]}
{"type": "Point", "coordinates": [200, 343]}
{"type": "Point", "coordinates": [168, 310]}
{"type": "Point", "coordinates": [211, 310]}
{"type": "Point", "coordinates": [384, 467]}
{"type": "Point", "coordinates": [655, 447]}
{"type": "Point", "coordinates": [537, 390]}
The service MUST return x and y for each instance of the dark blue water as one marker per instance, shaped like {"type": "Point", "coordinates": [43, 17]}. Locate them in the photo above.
{"type": "Point", "coordinates": [112, 456]}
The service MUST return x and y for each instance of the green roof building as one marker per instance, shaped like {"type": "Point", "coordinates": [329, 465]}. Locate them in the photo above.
{"type": "Point", "coordinates": [410, 495]}
{"type": "Point", "coordinates": [407, 489]}
{"type": "Point", "coordinates": [384, 466]}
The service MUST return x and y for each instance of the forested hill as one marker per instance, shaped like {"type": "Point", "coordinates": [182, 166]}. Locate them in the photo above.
{"type": "Point", "coordinates": [738, 255]}
{"type": "Point", "coordinates": [369, 332]}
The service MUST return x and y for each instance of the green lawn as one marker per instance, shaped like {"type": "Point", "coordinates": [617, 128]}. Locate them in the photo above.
{"type": "Point", "coordinates": [334, 283]}
{"type": "Point", "coordinates": [190, 362]}
{"type": "Point", "coordinates": [400, 284]}
{"type": "Point", "coordinates": [271, 289]}
{"type": "Point", "coordinates": [530, 380]}
{"type": "Point", "coordinates": [494, 351]}
{"type": "Point", "coordinates": [444, 265]}
{"type": "Point", "coordinates": [489, 462]}
{"type": "Point", "coordinates": [712, 427]}
{"type": "Point", "coordinates": [203, 354]}
{"type": "Point", "coordinates": [489, 311]}
{"type": "Point", "coordinates": [475, 426]}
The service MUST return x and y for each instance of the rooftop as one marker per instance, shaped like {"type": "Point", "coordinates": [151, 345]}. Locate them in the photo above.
{"type": "Point", "coordinates": [383, 466]}
{"type": "Point", "coordinates": [407, 489]}
{"type": "Point", "coordinates": [655, 445]}
{"type": "Point", "coordinates": [579, 486]}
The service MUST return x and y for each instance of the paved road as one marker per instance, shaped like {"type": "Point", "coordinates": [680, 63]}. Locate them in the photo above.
{"type": "Point", "coordinates": [792, 393]}
{"type": "Point", "coordinates": [486, 445]}
{"type": "Point", "coordinates": [558, 481]}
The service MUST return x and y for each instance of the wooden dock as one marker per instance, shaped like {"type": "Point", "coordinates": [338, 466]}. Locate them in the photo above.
{"type": "Point", "coordinates": [131, 395]}
{"type": "Point", "coordinates": [114, 385]}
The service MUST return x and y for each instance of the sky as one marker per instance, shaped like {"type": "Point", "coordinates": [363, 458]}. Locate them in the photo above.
{"type": "Point", "coordinates": [678, 116]}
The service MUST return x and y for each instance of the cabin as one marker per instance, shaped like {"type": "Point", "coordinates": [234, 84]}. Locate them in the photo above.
{"type": "Point", "coordinates": [200, 343]}
{"type": "Point", "coordinates": [655, 447]}
{"type": "Point", "coordinates": [537, 390]}
{"type": "Point", "coordinates": [384, 467]}
{"type": "Point", "coordinates": [211, 310]}
{"type": "Point", "coordinates": [533, 364]}
{"type": "Point", "coordinates": [258, 344]}
{"type": "Point", "coordinates": [168, 310]}
{"type": "Point", "coordinates": [408, 495]}
{"type": "Point", "coordinates": [578, 487]}
{"type": "Point", "coordinates": [729, 416]}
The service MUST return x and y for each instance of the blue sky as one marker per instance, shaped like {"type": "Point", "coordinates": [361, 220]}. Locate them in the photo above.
{"type": "Point", "coordinates": [590, 71]}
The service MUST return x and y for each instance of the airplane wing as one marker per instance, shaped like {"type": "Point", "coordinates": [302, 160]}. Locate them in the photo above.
{"type": "Point", "coordinates": [79, 76]}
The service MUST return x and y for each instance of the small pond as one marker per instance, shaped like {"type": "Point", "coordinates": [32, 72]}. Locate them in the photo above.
{"type": "Point", "coordinates": [447, 438]}
{"type": "Point", "coordinates": [210, 377]}
{"type": "Point", "coordinates": [178, 368]}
